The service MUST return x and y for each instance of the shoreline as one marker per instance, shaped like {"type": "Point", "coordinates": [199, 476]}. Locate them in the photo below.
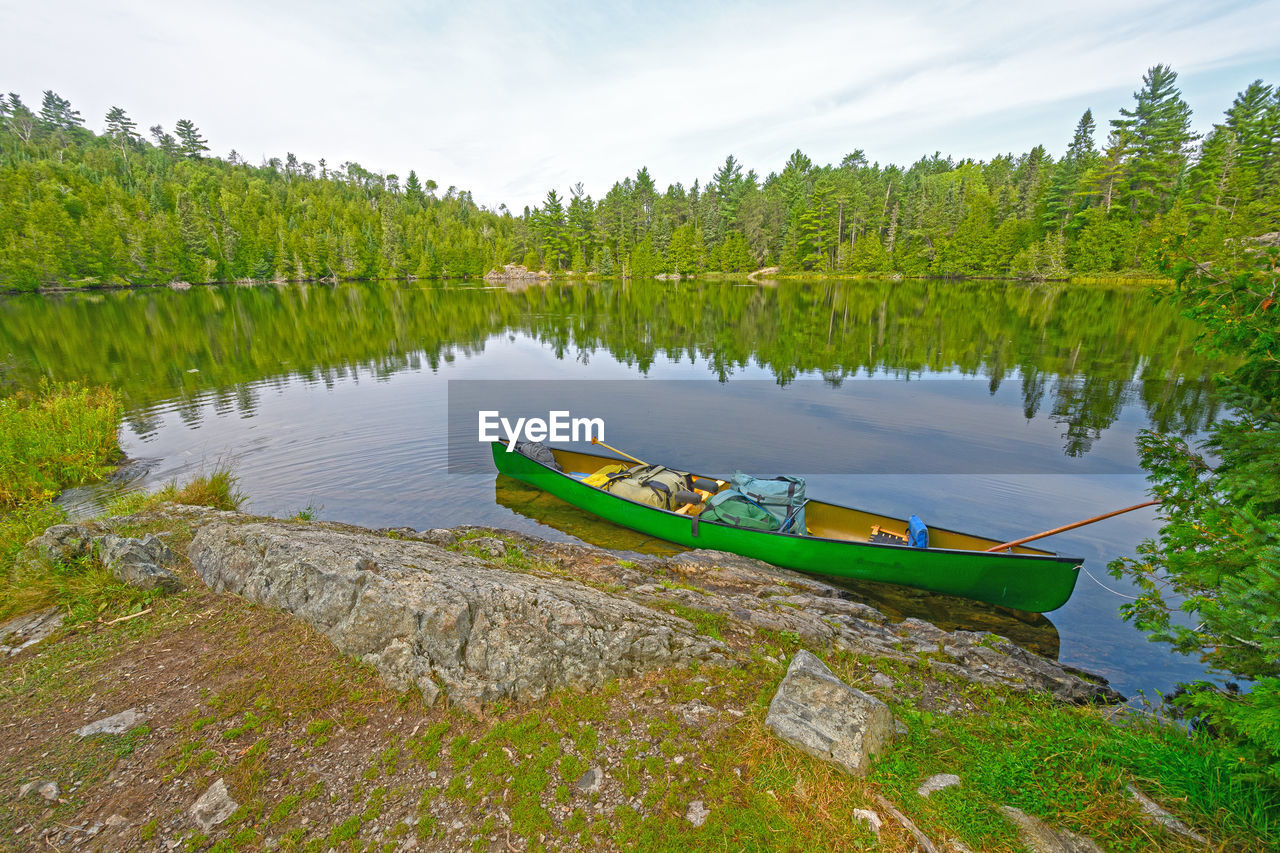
{"type": "Point", "coordinates": [763, 280]}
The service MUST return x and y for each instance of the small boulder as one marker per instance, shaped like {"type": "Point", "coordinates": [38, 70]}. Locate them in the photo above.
{"type": "Point", "coordinates": [137, 562]}
{"type": "Point", "coordinates": [441, 536]}
{"type": "Point", "coordinates": [882, 681]}
{"type": "Point", "coordinates": [491, 546]}
{"type": "Point", "coordinates": [590, 781]}
{"type": "Point", "coordinates": [46, 788]}
{"type": "Point", "coordinates": [936, 783]}
{"type": "Point", "coordinates": [827, 718]}
{"type": "Point", "coordinates": [214, 806]}
{"type": "Point", "coordinates": [116, 724]}
{"type": "Point", "coordinates": [59, 542]}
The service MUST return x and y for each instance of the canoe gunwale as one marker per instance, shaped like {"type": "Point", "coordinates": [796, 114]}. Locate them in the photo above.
{"type": "Point", "coordinates": [1047, 557]}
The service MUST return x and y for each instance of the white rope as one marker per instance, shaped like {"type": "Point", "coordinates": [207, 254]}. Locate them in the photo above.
{"type": "Point", "coordinates": [1107, 588]}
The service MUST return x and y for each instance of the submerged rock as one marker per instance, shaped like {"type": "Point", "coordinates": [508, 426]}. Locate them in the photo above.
{"type": "Point", "coordinates": [433, 618]}
{"type": "Point", "coordinates": [827, 718]}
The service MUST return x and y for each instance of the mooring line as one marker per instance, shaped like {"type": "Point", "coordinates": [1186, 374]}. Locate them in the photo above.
{"type": "Point", "coordinates": [1107, 588]}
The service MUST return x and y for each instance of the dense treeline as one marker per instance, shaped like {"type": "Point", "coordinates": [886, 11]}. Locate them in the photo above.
{"type": "Point", "coordinates": [80, 207]}
{"type": "Point", "coordinates": [76, 207]}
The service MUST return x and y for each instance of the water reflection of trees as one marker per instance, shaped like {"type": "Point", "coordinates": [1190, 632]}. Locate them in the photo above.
{"type": "Point", "coordinates": [1082, 353]}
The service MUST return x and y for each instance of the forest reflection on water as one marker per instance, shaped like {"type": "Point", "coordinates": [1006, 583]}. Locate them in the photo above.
{"type": "Point", "coordinates": [334, 396]}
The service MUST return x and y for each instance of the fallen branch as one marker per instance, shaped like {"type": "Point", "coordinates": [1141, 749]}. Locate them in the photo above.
{"type": "Point", "coordinates": [921, 838]}
{"type": "Point", "coordinates": [127, 618]}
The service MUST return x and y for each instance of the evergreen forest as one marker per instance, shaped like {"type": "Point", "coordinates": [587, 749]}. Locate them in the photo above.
{"type": "Point", "coordinates": [79, 208]}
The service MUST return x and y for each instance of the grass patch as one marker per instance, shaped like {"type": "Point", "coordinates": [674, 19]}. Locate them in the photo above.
{"type": "Point", "coordinates": [711, 624]}
{"type": "Point", "coordinates": [54, 437]}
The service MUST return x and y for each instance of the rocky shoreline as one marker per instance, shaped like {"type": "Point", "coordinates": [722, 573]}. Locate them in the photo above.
{"type": "Point", "coordinates": [486, 624]}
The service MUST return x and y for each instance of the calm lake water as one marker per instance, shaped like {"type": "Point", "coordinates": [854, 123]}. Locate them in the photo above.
{"type": "Point", "coordinates": [1002, 409]}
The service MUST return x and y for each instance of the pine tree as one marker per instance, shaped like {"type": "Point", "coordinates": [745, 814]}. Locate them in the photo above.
{"type": "Point", "coordinates": [19, 120]}
{"type": "Point", "coordinates": [413, 188]}
{"type": "Point", "coordinates": [1158, 131]}
{"type": "Point", "coordinates": [164, 140]}
{"type": "Point", "coordinates": [189, 135]}
{"type": "Point", "coordinates": [1061, 201]}
{"type": "Point", "coordinates": [123, 130]}
{"type": "Point", "coordinates": [56, 112]}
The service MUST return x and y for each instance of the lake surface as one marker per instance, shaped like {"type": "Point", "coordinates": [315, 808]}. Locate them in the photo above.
{"type": "Point", "coordinates": [1001, 409]}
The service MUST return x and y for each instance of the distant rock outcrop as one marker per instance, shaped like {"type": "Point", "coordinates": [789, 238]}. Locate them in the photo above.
{"type": "Point", "coordinates": [515, 272]}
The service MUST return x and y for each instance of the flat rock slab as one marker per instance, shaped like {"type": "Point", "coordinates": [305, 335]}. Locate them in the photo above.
{"type": "Point", "coordinates": [25, 631]}
{"type": "Point", "coordinates": [1039, 837]}
{"type": "Point", "coordinates": [937, 782]}
{"type": "Point", "coordinates": [432, 618]}
{"type": "Point", "coordinates": [1157, 814]}
{"type": "Point", "coordinates": [116, 724]}
{"type": "Point", "coordinates": [827, 718]}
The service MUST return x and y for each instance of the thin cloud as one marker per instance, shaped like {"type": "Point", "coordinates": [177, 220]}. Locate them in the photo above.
{"type": "Point", "coordinates": [508, 100]}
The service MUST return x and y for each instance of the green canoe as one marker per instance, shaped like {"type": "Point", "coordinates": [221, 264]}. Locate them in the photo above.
{"type": "Point", "coordinates": [838, 541]}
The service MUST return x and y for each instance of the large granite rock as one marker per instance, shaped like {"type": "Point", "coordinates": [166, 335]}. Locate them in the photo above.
{"type": "Point", "coordinates": [826, 718]}
{"type": "Point", "coordinates": [426, 616]}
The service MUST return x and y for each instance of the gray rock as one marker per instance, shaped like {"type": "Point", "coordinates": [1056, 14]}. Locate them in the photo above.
{"type": "Point", "coordinates": [138, 562]}
{"type": "Point", "coordinates": [421, 614]}
{"type": "Point", "coordinates": [697, 813]}
{"type": "Point", "coordinates": [59, 542]}
{"type": "Point", "coordinates": [117, 820]}
{"type": "Point", "coordinates": [116, 724]}
{"type": "Point", "coordinates": [1155, 813]}
{"type": "Point", "coordinates": [937, 782]}
{"type": "Point", "coordinates": [46, 788]}
{"type": "Point", "coordinates": [1039, 837]}
{"type": "Point", "coordinates": [590, 781]}
{"type": "Point", "coordinates": [22, 632]}
{"type": "Point", "coordinates": [490, 546]}
{"type": "Point", "coordinates": [214, 806]}
{"type": "Point", "coordinates": [438, 536]}
{"type": "Point", "coordinates": [826, 718]}
{"type": "Point", "coordinates": [882, 681]}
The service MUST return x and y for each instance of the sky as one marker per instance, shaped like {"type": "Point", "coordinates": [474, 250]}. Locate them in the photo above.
{"type": "Point", "coordinates": [508, 100]}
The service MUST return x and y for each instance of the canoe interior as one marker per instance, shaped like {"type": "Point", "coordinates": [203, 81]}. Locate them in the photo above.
{"type": "Point", "coordinates": [826, 520]}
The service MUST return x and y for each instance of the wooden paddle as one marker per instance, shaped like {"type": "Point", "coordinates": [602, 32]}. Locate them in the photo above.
{"type": "Point", "coordinates": [1027, 539]}
{"type": "Point", "coordinates": [617, 451]}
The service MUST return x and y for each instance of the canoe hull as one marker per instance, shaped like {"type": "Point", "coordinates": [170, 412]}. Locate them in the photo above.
{"type": "Point", "coordinates": [1031, 582]}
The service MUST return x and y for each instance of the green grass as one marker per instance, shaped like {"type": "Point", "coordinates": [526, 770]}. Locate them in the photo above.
{"type": "Point", "coordinates": [54, 437]}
